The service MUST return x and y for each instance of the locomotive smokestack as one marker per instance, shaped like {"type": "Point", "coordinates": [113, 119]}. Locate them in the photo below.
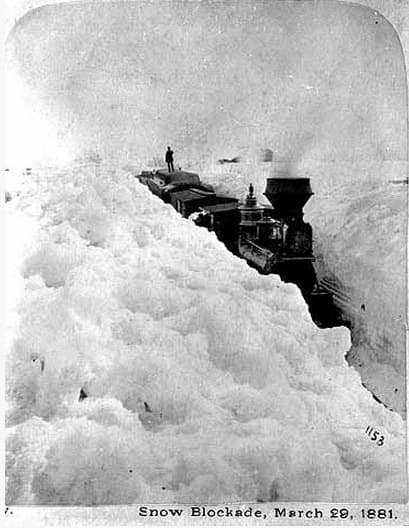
{"type": "Point", "coordinates": [288, 195]}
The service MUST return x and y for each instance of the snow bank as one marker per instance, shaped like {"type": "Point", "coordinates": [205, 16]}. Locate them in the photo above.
{"type": "Point", "coordinates": [206, 381]}
{"type": "Point", "coordinates": [360, 220]}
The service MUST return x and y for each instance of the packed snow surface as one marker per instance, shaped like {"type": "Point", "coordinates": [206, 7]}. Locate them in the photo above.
{"type": "Point", "coordinates": [206, 381]}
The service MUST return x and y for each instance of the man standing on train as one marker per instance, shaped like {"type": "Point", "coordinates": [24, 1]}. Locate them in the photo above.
{"type": "Point", "coordinates": [169, 160]}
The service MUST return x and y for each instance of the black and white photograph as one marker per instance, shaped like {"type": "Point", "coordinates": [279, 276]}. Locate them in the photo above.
{"type": "Point", "coordinates": [205, 223]}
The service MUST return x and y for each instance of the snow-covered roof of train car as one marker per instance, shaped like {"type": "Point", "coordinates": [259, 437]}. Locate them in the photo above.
{"type": "Point", "coordinates": [177, 176]}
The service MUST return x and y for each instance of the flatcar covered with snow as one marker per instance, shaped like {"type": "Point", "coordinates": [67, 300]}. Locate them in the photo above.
{"type": "Point", "coordinates": [163, 183]}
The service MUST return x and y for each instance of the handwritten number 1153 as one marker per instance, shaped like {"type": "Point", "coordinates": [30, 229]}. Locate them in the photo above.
{"type": "Point", "coordinates": [375, 435]}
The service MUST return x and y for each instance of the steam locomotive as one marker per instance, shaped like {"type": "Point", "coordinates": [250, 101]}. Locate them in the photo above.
{"type": "Point", "coordinates": [272, 239]}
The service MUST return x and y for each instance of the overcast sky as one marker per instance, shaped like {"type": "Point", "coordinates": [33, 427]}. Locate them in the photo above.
{"type": "Point", "coordinates": [303, 78]}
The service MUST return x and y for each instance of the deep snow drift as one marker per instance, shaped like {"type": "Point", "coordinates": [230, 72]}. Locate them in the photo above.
{"type": "Point", "coordinates": [358, 213]}
{"type": "Point", "coordinates": [206, 382]}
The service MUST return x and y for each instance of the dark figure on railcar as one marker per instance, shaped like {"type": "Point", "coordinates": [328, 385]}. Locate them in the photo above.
{"type": "Point", "coordinates": [169, 159]}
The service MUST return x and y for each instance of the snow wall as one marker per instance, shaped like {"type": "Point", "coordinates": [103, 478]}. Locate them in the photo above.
{"type": "Point", "coordinates": [206, 381]}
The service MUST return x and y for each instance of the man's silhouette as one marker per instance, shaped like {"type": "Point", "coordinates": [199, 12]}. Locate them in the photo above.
{"type": "Point", "coordinates": [169, 159]}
